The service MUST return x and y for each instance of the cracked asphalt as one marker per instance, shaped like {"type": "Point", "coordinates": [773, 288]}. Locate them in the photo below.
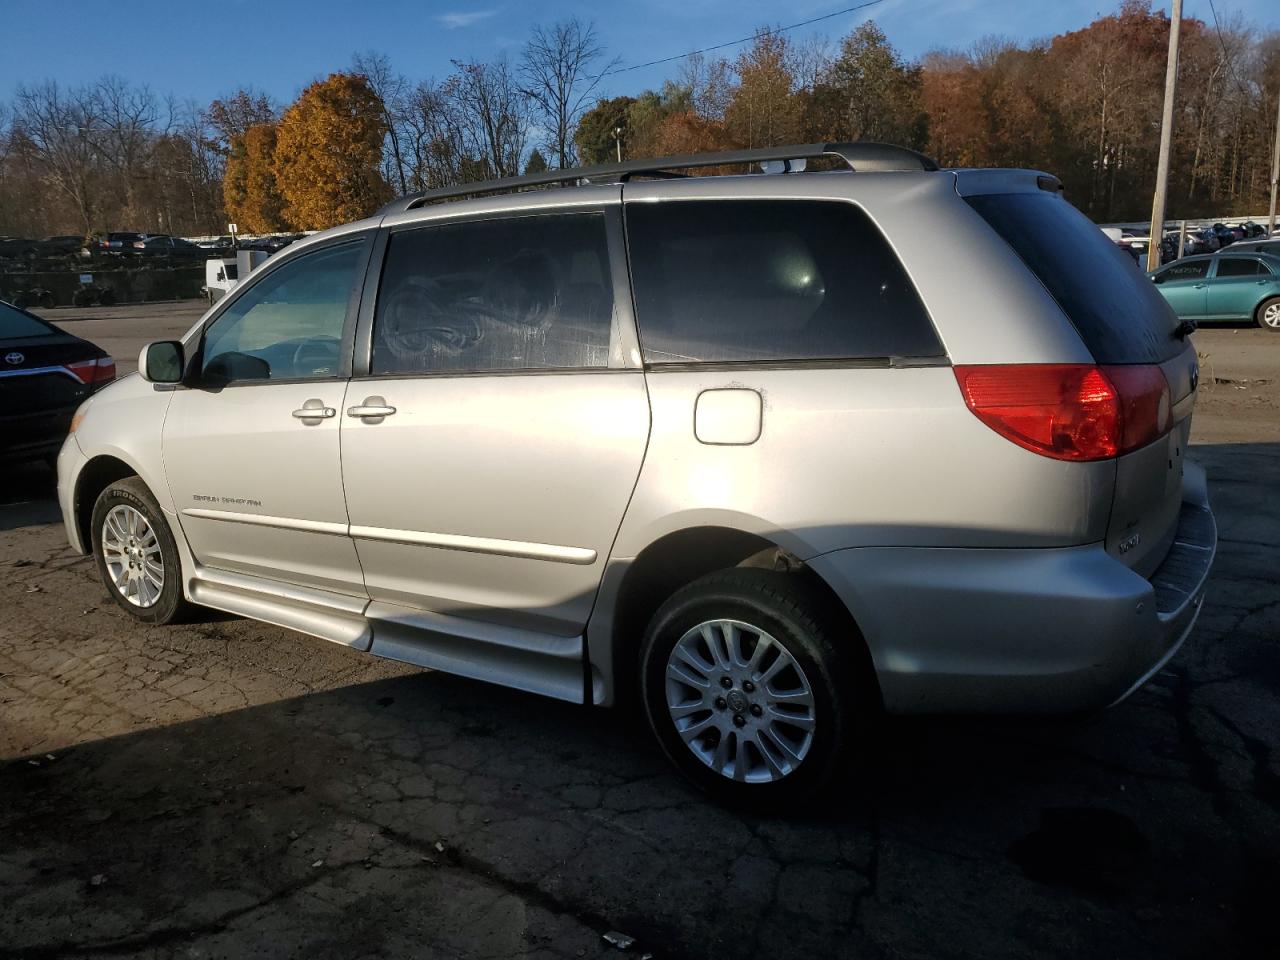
{"type": "Point", "coordinates": [229, 789]}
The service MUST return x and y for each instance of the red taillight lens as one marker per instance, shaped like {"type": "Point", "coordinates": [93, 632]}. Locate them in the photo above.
{"type": "Point", "coordinates": [1069, 411]}
{"type": "Point", "coordinates": [1145, 403]}
{"type": "Point", "coordinates": [94, 371]}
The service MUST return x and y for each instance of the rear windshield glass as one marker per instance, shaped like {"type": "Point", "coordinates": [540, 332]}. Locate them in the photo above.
{"type": "Point", "coordinates": [1117, 310]}
{"type": "Point", "coordinates": [14, 324]}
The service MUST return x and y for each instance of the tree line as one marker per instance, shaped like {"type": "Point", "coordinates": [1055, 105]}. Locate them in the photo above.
{"type": "Point", "coordinates": [1083, 105]}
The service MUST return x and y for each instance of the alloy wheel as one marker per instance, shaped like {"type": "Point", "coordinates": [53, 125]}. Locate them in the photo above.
{"type": "Point", "coordinates": [740, 701]}
{"type": "Point", "coordinates": [132, 555]}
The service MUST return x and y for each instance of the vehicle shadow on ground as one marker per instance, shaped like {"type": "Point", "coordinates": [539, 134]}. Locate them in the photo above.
{"type": "Point", "coordinates": [432, 815]}
{"type": "Point", "coordinates": [28, 495]}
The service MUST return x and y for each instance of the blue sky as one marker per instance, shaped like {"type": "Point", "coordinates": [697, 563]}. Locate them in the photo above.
{"type": "Point", "coordinates": [202, 50]}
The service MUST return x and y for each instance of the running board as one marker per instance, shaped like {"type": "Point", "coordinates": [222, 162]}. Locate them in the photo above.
{"type": "Point", "coordinates": [509, 656]}
{"type": "Point", "coordinates": [330, 616]}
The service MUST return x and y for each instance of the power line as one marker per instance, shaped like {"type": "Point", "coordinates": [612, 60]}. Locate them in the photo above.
{"type": "Point", "coordinates": [734, 43]}
{"type": "Point", "coordinates": [1226, 57]}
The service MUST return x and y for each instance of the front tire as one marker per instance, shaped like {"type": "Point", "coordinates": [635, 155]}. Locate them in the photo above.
{"type": "Point", "coordinates": [750, 687]}
{"type": "Point", "coordinates": [136, 554]}
{"type": "Point", "coordinates": [1267, 316]}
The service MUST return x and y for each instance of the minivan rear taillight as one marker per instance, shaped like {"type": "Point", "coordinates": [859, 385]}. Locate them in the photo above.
{"type": "Point", "coordinates": [94, 371]}
{"type": "Point", "coordinates": [1069, 411]}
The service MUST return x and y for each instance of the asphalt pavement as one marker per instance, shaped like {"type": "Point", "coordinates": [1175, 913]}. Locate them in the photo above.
{"type": "Point", "coordinates": [226, 788]}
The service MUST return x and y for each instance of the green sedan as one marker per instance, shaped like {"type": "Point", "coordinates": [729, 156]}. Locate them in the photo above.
{"type": "Point", "coordinates": [1224, 286]}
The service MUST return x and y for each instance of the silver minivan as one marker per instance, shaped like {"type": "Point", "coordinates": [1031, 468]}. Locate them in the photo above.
{"type": "Point", "coordinates": [769, 452]}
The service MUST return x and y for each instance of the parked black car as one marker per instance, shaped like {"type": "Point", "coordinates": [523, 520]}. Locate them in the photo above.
{"type": "Point", "coordinates": [61, 246]}
{"type": "Point", "coordinates": [163, 245]}
{"type": "Point", "coordinates": [1226, 236]}
{"type": "Point", "coordinates": [272, 244]}
{"type": "Point", "coordinates": [45, 375]}
{"type": "Point", "coordinates": [120, 243]}
{"type": "Point", "coordinates": [218, 245]}
{"type": "Point", "coordinates": [17, 248]}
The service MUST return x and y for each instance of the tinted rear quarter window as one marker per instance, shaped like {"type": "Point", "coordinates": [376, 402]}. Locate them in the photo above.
{"type": "Point", "coordinates": [1240, 267]}
{"type": "Point", "coordinates": [770, 280]}
{"type": "Point", "coordinates": [1117, 310]}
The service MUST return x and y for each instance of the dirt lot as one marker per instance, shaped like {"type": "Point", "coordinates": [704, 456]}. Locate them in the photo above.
{"type": "Point", "coordinates": [226, 788]}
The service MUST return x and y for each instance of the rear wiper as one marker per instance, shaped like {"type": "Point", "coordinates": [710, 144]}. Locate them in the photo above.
{"type": "Point", "coordinates": [1184, 328]}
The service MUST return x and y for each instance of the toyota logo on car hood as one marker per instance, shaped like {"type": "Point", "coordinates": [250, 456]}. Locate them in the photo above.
{"type": "Point", "coordinates": [15, 358]}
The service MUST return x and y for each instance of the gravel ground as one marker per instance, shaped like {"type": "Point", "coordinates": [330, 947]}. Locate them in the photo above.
{"type": "Point", "coordinates": [227, 788]}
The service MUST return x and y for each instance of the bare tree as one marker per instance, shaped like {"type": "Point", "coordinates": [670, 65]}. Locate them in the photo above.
{"type": "Point", "coordinates": [393, 90]}
{"type": "Point", "coordinates": [433, 141]}
{"type": "Point", "coordinates": [62, 130]}
{"type": "Point", "coordinates": [557, 71]}
{"type": "Point", "coordinates": [231, 116]}
{"type": "Point", "coordinates": [124, 133]}
{"type": "Point", "coordinates": [809, 60]}
{"type": "Point", "coordinates": [494, 114]}
{"type": "Point", "coordinates": [709, 82]}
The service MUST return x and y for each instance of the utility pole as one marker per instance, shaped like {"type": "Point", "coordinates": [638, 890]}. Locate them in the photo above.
{"type": "Point", "coordinates": [1275, 170]}
{"type": "Point", "coordinates": [1166, 139]}
{"type": "Point", "coordinates": [617, 142]}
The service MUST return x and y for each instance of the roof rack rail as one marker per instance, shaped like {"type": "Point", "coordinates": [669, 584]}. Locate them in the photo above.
{"type": "Point", "coordinates": [863, 157]}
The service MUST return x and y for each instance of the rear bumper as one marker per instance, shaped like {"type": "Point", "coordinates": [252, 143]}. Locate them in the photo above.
{"type": "Point", "coordinates": [1023, 631]}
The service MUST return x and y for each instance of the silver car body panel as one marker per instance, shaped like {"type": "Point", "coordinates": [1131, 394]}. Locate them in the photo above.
{"type": "Point", "coordinates": [487, 527]}
{"type": "Point", "coordinates": [494, 498]}
{"type": "Point", "coordinates": [258, 492]}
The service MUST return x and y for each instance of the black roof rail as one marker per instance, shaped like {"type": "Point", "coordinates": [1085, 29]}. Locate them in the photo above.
{"type": "Point", "coordinates": [862, 157]}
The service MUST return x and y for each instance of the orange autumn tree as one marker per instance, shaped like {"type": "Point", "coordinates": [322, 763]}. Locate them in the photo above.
{"type": "Point", "coordinates": [328, 154]}
{"type": "Point", "coordinates": [264, 207]}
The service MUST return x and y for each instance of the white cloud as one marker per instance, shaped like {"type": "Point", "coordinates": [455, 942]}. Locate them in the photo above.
{"type": "Point", "coordinates": [463, 18]}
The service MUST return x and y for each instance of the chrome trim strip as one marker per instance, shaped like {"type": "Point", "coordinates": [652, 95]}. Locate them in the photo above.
{"type": "Point", "coordinates": [262, 520]}
{"type": "Point", "coordinates": [505, 548]}
{"type": "Point", "coordinates": [443, 541]}
{"type": "Point", "coordinates": [32, 371]}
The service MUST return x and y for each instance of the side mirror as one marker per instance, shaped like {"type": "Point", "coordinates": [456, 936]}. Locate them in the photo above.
{"type": "Point", "coordinates": [162, 362]}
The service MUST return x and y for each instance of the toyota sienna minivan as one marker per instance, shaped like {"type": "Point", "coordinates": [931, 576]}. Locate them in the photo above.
{"type": "Point", "coordinates": [757, 449]}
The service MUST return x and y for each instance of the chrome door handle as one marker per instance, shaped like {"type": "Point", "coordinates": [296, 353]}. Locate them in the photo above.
{"type": "Point", "coordinates": [1198, 286]}
{"type": "Point", "coordinates": [314, 409]}
{"type": "Point", "coordinates": [372, 410]}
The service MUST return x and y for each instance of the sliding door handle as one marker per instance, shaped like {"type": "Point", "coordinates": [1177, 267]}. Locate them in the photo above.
{"type": "Point", "coordinates": [372, 410]}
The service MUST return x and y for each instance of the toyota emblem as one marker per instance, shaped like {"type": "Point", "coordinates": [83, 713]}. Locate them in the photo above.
{"type": "Point", "coordinates": [15, 358]}
{"type": "Point", "coordinates": [1195, 375]}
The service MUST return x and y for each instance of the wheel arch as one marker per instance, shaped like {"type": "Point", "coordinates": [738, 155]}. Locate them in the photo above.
{"type": "Point", "coordinates": [95, 476]}
{"type": "Point", "coordinates": [1261, 306]}
{"type": "Point", "coordinates": [666, 565]}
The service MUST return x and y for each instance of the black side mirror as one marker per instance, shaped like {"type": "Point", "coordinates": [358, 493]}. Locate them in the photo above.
{"type": "Point", "coordinates": [162, 362]}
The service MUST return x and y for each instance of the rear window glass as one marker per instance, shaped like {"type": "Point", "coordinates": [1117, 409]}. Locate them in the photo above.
{"type": "Point", "coordinates": [1240, 267]}
{"type": "Point", "coordinates": [766, 280]}
{"type": "Point", "coordinates": [1117, 310]}
{"type": "Point", "coordinates": [14, 324]}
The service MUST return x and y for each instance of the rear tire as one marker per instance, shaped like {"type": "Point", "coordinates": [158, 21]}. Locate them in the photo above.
{"type": "Point", "coordinates": [1267, 316]}
{"type": "Point", "coordinates": [136, 555]}
{"type": "Point", "coordinates": [752, 687]}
